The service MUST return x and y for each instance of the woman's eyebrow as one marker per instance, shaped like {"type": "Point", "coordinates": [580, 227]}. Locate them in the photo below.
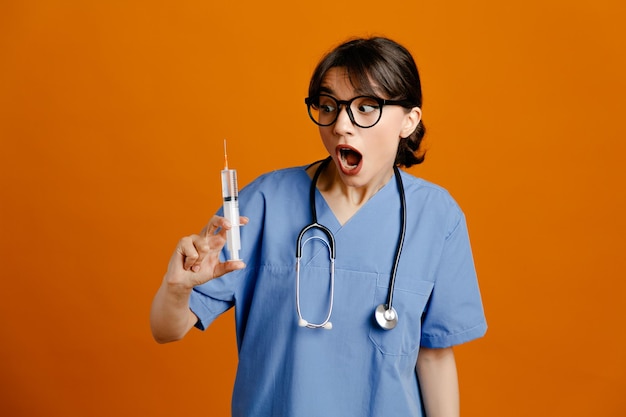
{"type": "Point", "coordinates": [327, 90]}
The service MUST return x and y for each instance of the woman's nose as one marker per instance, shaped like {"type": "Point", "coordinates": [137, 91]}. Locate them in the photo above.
{"type": "Point", "coordinates": [343, 124]}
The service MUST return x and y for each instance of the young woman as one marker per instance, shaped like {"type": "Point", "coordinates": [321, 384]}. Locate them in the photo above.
{"type": "Point", "coordinates": [363, 322]}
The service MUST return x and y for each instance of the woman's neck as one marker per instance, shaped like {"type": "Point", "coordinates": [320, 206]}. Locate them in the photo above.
{"type": "Point", "coordinates": [345, 200]}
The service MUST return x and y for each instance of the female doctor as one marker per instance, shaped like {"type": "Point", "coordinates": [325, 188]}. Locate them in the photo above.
{"type": "Point", "coordinates": [362, 322]}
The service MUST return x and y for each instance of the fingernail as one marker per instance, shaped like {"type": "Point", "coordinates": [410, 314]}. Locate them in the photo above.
{"type": "Point", "coordinates": [195, 268]}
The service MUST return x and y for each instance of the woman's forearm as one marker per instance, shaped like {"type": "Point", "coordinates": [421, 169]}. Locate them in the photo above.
{"type": "Point", "coordinates": [170, 316]}
{"type": "Point", "coordinates": [437, 374]}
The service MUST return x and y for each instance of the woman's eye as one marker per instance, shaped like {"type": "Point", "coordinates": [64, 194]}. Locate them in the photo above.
{"type": "Point", "coordinates": [327, 108]}
{"type": "Point", "coordinates": [368, 108]}
{"type": "Point", "coordinates": [367, 105]}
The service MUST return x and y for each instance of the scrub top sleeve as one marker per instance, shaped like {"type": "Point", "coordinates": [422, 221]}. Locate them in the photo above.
{"type": "Point", "coordinates": [454, 314]}
{"type": "Point", "coordinates": [206, 308]}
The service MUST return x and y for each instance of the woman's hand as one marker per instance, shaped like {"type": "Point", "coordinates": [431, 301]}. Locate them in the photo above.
{"type": "Point", "coordinates": [196, 258]}
{"type": "Point", "coordinates": [194, 262]}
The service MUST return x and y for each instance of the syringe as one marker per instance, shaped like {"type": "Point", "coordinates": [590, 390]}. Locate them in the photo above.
{"type": "Point", "coordinates": [230, 193]}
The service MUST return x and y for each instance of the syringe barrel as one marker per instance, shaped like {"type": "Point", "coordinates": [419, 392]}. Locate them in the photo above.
{"type": "Point", "coordinates": [230, 194]}
{"type": "Point", "coordinates": [229, 184]}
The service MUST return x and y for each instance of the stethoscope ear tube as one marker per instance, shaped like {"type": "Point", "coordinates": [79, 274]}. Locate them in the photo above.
{"type": "Point", "coordinates": [330, 245]}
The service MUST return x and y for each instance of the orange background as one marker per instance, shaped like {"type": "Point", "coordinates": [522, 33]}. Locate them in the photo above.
{"type": "Point", "coordinates": [112, 116]}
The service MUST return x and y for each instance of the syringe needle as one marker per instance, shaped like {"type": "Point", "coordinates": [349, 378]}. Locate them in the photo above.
{"type": "Point", "coordinates": [225, 156]}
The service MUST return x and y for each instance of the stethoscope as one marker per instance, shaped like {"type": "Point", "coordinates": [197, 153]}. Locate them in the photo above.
{"type": "Point", "coordinates": [386, 316]}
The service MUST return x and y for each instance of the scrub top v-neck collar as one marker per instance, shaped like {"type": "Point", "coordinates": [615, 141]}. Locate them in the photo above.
{"type": "Point", "coordinates": [327, 216]}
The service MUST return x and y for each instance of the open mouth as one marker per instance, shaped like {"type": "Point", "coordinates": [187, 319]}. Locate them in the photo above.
{"type": "Point", "coordinates": [350, 158]}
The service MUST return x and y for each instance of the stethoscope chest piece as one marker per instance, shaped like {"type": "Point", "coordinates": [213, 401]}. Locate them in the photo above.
{"type": "Point", "coordinates": [387, 318]}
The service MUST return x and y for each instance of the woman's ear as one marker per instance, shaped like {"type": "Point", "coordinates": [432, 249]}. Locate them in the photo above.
{"type": "Point", "coordinates": [411, 120]}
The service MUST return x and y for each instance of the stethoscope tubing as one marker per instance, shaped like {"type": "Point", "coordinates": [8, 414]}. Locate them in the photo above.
{"type": "Point", "coordinates": [394, 268]}
{"type": "Point", "coordinates": [385, 315]}
{"type": "Point", "coordinates": [327, 232]}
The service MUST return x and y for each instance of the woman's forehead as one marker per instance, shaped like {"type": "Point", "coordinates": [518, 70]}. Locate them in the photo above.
{"type": "Point", "coordinates": [340, 79]}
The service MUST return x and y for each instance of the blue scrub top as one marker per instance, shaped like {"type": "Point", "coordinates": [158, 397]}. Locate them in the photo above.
{"type": "Point", "coordinates": [356, 369]}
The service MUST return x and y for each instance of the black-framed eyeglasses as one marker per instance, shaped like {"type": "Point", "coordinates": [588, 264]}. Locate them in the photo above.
{"type": "Point", "coordinates": [363, 111]}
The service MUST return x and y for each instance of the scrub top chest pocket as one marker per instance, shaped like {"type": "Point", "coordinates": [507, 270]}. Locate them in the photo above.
{"type": "Point", "coordinates": [410, 298]}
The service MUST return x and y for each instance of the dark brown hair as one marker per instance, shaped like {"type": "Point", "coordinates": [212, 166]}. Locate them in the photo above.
{"type": "Point", "coordinates": [378, 66]}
